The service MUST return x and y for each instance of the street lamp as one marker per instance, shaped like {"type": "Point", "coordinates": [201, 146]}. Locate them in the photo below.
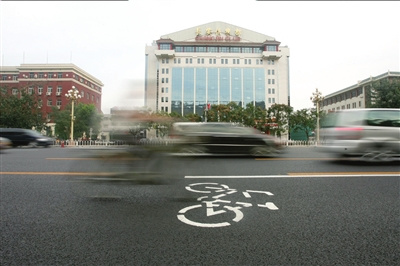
{"type": "Point", "coordinates": [316, 98]}
{"type": "Point", "coordinates": [73, 95]}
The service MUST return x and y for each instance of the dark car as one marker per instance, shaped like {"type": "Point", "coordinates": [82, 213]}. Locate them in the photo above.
{"type": "Point", "coordinates": [25, 137]}
{"type": "Point", "coordinates": [222, 138]}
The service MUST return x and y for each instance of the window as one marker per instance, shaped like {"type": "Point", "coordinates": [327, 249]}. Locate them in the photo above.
{"type": "Point", "coordinates": [166, 109]}
{"type": "Point", "coordinates": [162, 99]}
{"type": "Point", "coordinates": [234, 61]}
{"type": "Point", "coordinates": [49, 89]}
{"type": "Point", "coordinates": [50, 75]}
{"type": "Point", "coordinates": [166, 89]}
{"type": "Point", "coordinates": [179, 49]}
{"type": "Point", "coordinates": [247, 50]}
{"type": "Point", "coordinates": [201, 49]}
{"type": "Point", "coordinates": [59, 75]}
{"type": "Point", "coordinates": [198, 60]}
{"type": "Point", "coordinates": [214, 61]}
{"type": "Point", "coordinates": [162, 80]}
{"type": "Point", "coordinates": [165, 46]}
{"type": "Point", "coordinates": [222, 61]}
{"type": "Point", "coordinates": [162, 90]}
{"type": "Point", "coordinates": [30, 90]}
{"type": "Point", "coordinates": [40, 90]}
{"type": "Point", "coordinates": [58, 102]}
{"type": "Point", "coordinates": [92, 98]}
{"type": "Point", "coordinates": [166, 99]}
{"type": "Point", "coordinates": [87, 96]}
{"type": "Point", "coordinates": [213, 49]}
{"type": "Point", "coordinates": [83, 94]}
{"type": "Point", "coordinates": [235, 49]}
{"type": "Point", "coordinates": [14, 91]}
{"type": "Point", "coordinates": [40, 75]}
{"type": "Point", "coordinates": [31, 75]}
{"type": "Point", "coordinates": [167, 71]}
{"type": "Point", "coordinates": [162, 71]}
{"type": "Point", "coordinates": [166, 80]}
{"type": "Point", "coordinates": [49, 102]}
{"type": "Point", "coordinates": [59, 89]}
{"type": "Point", "coordinates": [188, 49]}
{"type": "Point", "coordinates": [224, 49]}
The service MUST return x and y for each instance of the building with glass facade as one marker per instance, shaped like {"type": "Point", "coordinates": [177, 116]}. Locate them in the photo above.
{"type": "Point", "coordinates": [215, 63]}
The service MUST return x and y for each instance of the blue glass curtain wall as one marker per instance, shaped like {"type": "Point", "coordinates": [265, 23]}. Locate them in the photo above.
{"type": "Point", "coordinates": [193, 88]}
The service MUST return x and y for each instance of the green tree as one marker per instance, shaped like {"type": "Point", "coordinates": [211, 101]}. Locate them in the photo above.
{"type": "Point", "coordinates": [254, 116]}
{"type": "Point", "coordinates": [87, 120]}
{"type": "Point", "coordinates": [304, 120]}
{"type": "Point", "coordinates": [20, 109]}
{"type": "Point", "coordinates": [278, 114]}
{"type": "Point", "coordinates": [384, 94]}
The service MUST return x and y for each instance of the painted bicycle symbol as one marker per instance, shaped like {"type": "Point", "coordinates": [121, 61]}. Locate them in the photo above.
{"type": "Point", "coordinates": [215, 205]}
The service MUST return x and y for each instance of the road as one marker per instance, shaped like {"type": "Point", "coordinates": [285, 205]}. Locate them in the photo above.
{"type": "Point", "coordinates": [302, 208]}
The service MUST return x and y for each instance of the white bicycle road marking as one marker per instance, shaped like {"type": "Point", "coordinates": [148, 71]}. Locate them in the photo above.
{"type": "Point", "coordinates": [215, 206]}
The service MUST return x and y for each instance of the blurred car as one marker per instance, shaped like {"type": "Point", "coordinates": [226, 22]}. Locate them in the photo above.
{"type": "Point", "coordinates": [25, 137]}
{"type": "Point", "coordinates": [222, 138]}
{"type": "Point", "coordinates": [372, 134]}
{"type": "Point", "coordinates": [4, 143]}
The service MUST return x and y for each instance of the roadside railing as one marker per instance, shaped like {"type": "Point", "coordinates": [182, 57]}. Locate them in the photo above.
{"type": "Point", "coordinates": [161, 141]}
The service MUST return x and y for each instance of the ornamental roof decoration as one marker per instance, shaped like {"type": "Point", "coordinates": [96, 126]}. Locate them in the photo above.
{"type": "Point", "coordinates": [214, 30]}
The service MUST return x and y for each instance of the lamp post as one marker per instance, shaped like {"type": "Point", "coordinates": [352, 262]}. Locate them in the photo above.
{"type": "Point", "coordinates": [73, 95]}
{"type": "Point", "coordinates": [316, 98]}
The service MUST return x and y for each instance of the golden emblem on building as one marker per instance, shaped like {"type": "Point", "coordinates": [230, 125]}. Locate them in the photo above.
{"type": "Point", "coordinates": [198, 32]}
{"type": "Point", "coordinates": [227, 31]}
{"type": "Point", "coordinates": [218, 32]}
{"type": "Point", "coordinates": [238, 32]}
{"type": "Point", "coordinates": [208, 31]}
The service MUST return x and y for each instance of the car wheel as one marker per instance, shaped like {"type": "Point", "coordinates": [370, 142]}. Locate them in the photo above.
{"type": "Point", "coordinates": [33, 144]}
{"type": "Point", "coordinates": [192, 150]}
{"type": "Point", "coordinates": [266, 151]}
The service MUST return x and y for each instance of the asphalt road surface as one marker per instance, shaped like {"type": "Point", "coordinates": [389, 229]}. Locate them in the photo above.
{"type": "Point", "coordinates": [76, 206]}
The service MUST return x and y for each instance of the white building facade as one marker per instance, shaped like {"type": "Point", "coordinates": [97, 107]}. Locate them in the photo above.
{"type": "Point", "coordinates": [215, 63]}
{"type": "Point", "coordinates": [355, 96]}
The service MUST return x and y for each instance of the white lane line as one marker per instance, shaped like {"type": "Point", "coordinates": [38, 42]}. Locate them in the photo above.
{"type": "Point", "coordinates": [287, 176]}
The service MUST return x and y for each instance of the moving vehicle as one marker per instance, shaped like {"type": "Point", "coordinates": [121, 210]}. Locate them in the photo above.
{"type": "Point", "coordinates": [372, 134]}
{"type": "Point", "coordinates": [222, 138]}
{"type": "Point", "coordinates": [25, 137]}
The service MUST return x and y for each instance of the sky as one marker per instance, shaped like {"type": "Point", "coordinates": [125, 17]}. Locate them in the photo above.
{"type": "Point", "coordinates": [333, 44]}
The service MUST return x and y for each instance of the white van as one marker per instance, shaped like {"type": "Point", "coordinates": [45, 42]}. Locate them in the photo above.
{"type": "Point", "coordinates": [372, 134]}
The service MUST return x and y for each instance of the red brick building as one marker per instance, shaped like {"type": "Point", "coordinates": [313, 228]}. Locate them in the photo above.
{"type": "Point", "coordinates": [51, 82]}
